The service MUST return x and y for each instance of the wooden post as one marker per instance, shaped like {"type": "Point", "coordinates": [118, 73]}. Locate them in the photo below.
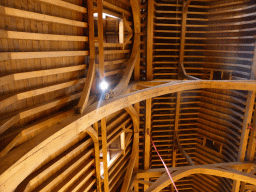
{"type": "Point", "coordinates": [183, 36]}
{"type": "Point", "coordinates": [147, 138]}
{"type": "Point", "coordinates": [105, 153]}
{"type": "Point", "coordinates": [176, 127]}
{"type": "Point", "coordinates": [100, 39]}
{"type": "Point", "coordinates": [150, 33]}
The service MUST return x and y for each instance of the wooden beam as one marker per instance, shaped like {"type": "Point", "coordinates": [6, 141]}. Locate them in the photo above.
{"type": "Point", "coordinates": [121, 31]}
{"type": "Point", "coordinates": [19, 163]}
{"type": "Point", "coordinates": [164, 180]}
{"type": "Point", "coordinates": [176, 127]}
{"type": "Point", "coordinates": [150, 34]}
{"type": "Point", "coordinates": [251, 145]}
{"type": "Point", "coordinates": [157, 172]}
{"type": "Point", "coordinates": [41, 73]}
{"type": "Point", "coordinates": [182, 39]}
{"type": "Point", "coordinates": [122, 85]}
{"type": "Point", "coordinates": [7, 123]}
{"type": "Point", "coordinates": [147, 132]}
{"type": "Point", "coordinates": [7, 11]}
{"type": "Point", "coordinates": [130, 167]}
{"type": "Point", "coordinates": [93, 132]}
{"type": "Point", "coordinates": [189, 160]}
{"type": "Point", "coordinates": [127, 26]}
{"type": "Point", "coordinates": [100, 39]}
{"type": "Point", "coordinates": [105, 153]}
{"type": "Point", "coordinates": [245, 133]}
{"type": "Point", "coordinates": [185, 8]}
{"type": "Point", "coordinates": [33, 55]}
{"type": "Point", "coordinates": [33, 130]}
{"type": "Point", "coordinates": [116, 8]}
{"type": "Point", "coordinates": [136, 15]}
{"type": "Point", "coordinates": [39, 36]}
{"type": "Point", "coordinates": [28, 94]}
{"type": "Point", "coordinates": [65, 5]}
{"type": "Point", "coordinates": [87, 88]}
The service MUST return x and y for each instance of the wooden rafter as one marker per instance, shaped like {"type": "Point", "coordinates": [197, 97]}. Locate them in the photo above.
{"type": "Point", "coordinates": [150, 33]}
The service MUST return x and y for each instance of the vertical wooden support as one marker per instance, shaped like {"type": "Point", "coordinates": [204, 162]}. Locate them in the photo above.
{"type": "Point", "coordinates": [136, 166]}
{"type": "Point", "coordinates": [183, 36]}
{"type": "Point", "coordinates": [105, 153]}
{"type": "Point", "coordinates": [176, 126]}
{"type": "Point", "coordinates": [122, 139]}
{"type": "Point", "coordinates": [121, 31]}
{"type": "Point", "coordinates": [147, 138]}
{"type": "Point", "coordinates": [251, 145]}
{"type": "Point", "coordinates": [94, 130]}
{"type": "Point", "coordinates": [134, 156]}
{"type": "Point", "coordinates": [135, 4]}
{"type": "Point", "coordinates": [150, 32]}
{"type": "Point", "coordinates": [91, 28]}
{"type": "Point", "coordinates": [245, 133]}
{"type": "Point", "coordinates": [91, 69]}
{"type": "Point", "coordinates": [100, 39]}
{"type": "Point", "coordinates": [251, 149]}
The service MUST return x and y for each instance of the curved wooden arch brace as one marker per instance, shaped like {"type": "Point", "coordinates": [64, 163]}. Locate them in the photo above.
{"type": "Point", "coordinates": [21, 161]}
{"type": "Point", "coordinates": [164, 180]}
{"type": "Point", "coordinates": [136, 15]}
{"type": "Point", "coordinates": [94, 135]}
{"type": "Point", "coordinates": [129, 69]}
{"type": "Point", "coordinates": [135, 147]}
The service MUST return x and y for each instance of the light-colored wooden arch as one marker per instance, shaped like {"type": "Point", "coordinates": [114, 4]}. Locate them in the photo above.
{"type": "Point", "coordinates": [94, 135]}
{"type": "Point", "coordinates": [164, 180]}
{"type": "Point", "coordinates": [21, 161]}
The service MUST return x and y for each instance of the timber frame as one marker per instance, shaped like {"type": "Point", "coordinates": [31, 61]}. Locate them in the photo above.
{"type": "Point", "coordinates": [172, 77]}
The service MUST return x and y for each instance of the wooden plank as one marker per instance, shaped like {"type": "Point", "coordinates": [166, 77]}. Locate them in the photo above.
{"type": "Point", "coordinates": [39, 17]}
{"type": "Point", "coordinates": [40, 73]}
{"type": "Point", "coordinates": [28, 94]}
{"type": "Point", "coordinates": [65, 5]}
{"type": "Point", "coordinates": [150, 33]}
{"type": "Point", "coordinates": [33, 130]}
{"type": "Point", "coordinates": [15, 119]}
{"type": "Point", "coordinates": [53, 168]}
{"type": "Point", "coordinates": [32, 55]}
{"type": "Point", "coordinates": [39, 36]}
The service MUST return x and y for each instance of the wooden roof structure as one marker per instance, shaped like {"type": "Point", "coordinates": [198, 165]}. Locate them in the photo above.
{"type": "Point", "coordinates": [181, 72]}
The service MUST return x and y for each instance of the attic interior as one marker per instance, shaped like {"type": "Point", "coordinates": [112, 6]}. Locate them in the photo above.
{"type": "Point", "coordinates": [179, 72]}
